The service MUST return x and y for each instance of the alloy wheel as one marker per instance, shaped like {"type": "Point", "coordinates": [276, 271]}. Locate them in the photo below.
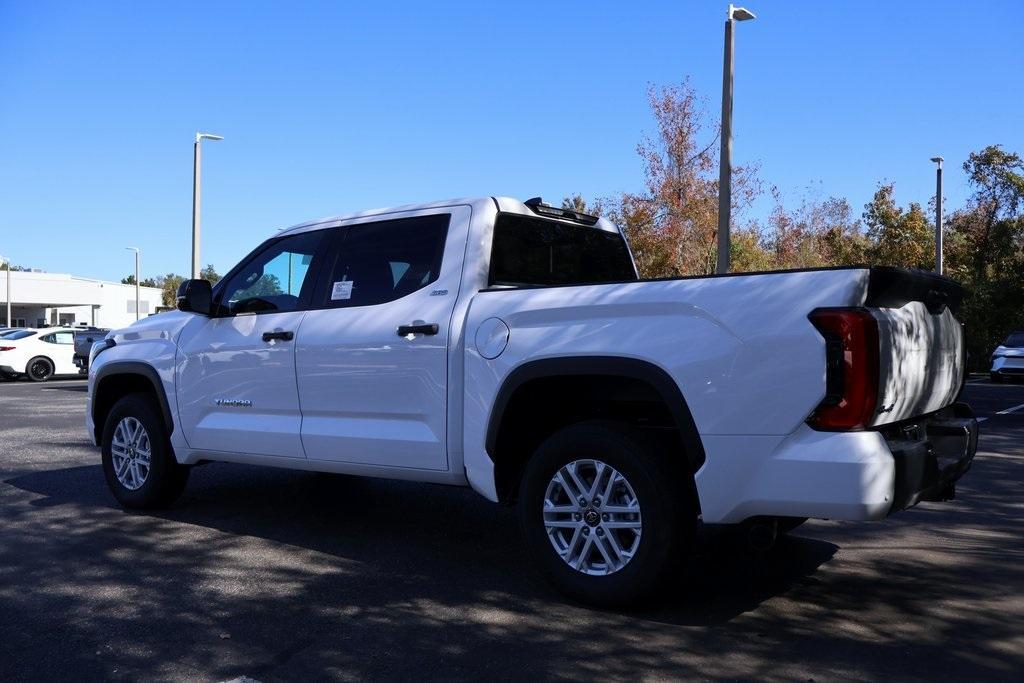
{"type": "Point", "coordinates": [131, 452]}
{"type": "Point", "coordinates": [592, 517]}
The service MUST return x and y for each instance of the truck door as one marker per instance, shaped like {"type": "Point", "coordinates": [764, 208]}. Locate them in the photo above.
{"type": "Point", "coordinates": [372, 353]}
{"type": "Point", "coordinates": [236, 370]}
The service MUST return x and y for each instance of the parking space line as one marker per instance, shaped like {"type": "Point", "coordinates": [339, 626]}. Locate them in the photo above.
{"type": "Point", "coordinates": [1011, 410]}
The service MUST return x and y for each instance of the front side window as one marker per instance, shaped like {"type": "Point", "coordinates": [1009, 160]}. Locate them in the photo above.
{"type": "Point", "coordinates": [384, 261]}
{"type": "Point", "coordinates": [59, 338]}
{"type": "Point", "coordinates": [274, 279]}
{"type": "Point", "coordinates": [538, 252]}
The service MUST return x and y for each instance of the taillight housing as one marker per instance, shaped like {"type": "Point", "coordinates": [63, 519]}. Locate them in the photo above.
{"type": "Point", "coordinates": [851, 374]}
{"type": "Point", "coordinates": [7, 348]}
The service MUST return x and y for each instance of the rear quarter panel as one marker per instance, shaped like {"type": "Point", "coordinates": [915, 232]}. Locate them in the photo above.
{"type": "Point", "coordinates": [741, 348]}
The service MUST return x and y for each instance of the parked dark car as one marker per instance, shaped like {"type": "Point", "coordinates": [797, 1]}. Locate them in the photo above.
{"type": "Point", "coordinates": [84, 340]}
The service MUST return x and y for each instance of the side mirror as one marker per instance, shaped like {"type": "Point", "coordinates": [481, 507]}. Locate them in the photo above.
{"type": "Point", "coordinates": [195, 296]}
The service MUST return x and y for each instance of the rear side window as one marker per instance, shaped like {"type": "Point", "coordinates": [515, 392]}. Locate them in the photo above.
{"type": "Point", "coordinates": [534, 251]}
{"type": "Point", "coordinates": [380, 262]}
{"type": "Point", "coordinates": [60, 338]}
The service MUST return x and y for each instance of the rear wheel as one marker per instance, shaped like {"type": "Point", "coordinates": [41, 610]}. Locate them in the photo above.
{"type": "Point", "coordinates": [603, 513]}
{"type": "Point", "coordinates": [138, 461]}
{"type": "Point", "coordinates": [39, 369]}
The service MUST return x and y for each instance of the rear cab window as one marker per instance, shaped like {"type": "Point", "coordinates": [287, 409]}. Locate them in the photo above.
{"type": "Point", "coordinates": [536, 252]}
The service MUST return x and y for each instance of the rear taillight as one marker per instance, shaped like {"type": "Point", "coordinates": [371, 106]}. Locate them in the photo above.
{"type": "Point", "coordinates": [7, 348]}
{"type": "Point", "coordinates": [851, 375]}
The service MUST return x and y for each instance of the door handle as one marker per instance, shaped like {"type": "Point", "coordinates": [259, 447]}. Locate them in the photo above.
{"type": "Point", "coordinates": [283, 336]}
{"type": "Point", "coordinates": [427, 328]}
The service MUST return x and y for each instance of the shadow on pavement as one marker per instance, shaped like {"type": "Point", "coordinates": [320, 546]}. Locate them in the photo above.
{"type": "Point", "coordinates": [277, 574]}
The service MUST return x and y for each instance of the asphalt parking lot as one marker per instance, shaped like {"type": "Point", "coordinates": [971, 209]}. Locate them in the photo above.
{"type": "Point", "coordinates": [280, 575]}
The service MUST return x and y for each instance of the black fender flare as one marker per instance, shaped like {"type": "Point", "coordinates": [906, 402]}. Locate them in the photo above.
{"type": "Point", "coordinates": [132, 367]}
{"type": "Point", "coordinates": [616, 366]}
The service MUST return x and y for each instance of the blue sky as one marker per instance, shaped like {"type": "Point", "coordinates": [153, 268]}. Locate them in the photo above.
{"type": "Point", "coordinates": [334, 107]}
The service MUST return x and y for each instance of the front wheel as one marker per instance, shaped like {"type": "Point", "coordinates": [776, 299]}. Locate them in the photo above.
{"type": "Point", "coordinates": [138, 461]}
{"type": "Point", "coordinates": [603, 512]}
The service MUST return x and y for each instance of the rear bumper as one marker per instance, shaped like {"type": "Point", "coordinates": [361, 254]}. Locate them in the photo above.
{"type": "Point", "coordinates": [931, 455]}
{"type": "Point", "coordinates": [854, 476]}
{"type": "Point", "coordinates": [9, 370]}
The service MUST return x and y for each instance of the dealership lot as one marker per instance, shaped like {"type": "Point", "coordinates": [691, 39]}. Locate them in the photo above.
{"type": "Point", "coordinates": [281, 575]}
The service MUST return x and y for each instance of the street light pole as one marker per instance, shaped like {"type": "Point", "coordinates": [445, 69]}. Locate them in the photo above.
{"type": "Point", "coordinates": [725, 157]}
{"type": "Point", "coordinates": [8, 262]}
{"type": "Point", "coordinates": [938, 214]}
{"type": "Point", "coordinates": [196, 171]}
{"type": "Point", "coordinates": [136, 250]}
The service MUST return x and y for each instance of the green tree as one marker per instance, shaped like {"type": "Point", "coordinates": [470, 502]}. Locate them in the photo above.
{"type": "Point", "coordinates": [209, 273]}
{"type": "Point", "coordinates": [898, 237]}
{"type": "Point", "coordinates": [985, 249]}
{"type": "Point", "coordinates": [170, 284]}
{"type": "Point", "coordinates": [147, 282]}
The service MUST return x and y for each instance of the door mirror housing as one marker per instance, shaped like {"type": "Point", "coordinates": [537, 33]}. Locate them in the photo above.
{"type": "Point", "coordinates": [195, 296]}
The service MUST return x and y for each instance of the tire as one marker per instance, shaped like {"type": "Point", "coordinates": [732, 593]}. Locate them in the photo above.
{"type": "Point", "coordinates": [995, 377]}
{"type": "Point", "coordinates": [667, 514]}
{"type": "Point", "coordinates": [39, 369]}
{"type": "Point", "coordinates": [140, 487]}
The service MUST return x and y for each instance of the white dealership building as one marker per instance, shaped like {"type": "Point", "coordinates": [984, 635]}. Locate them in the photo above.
{"type": "Point", "coordinates": [47, 299]}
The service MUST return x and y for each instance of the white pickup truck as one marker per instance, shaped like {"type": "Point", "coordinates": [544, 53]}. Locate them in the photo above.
{"type": "Point", "coordinates": [511, 347]}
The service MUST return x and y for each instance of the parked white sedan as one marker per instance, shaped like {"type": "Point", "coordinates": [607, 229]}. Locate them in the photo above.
{"type": "Point", "coordinates": [38, 354]}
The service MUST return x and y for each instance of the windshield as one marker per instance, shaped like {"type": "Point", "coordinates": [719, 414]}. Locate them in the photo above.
{"type": "Point", "coordinates": [19, 334]}
{"type": "Point", "coordinates": [1015, 341]}
{"type": "Point", "coordinates": [534, 251]}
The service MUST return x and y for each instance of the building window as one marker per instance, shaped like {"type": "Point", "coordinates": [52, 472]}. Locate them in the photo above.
{"type": "Point", "coordinates": [143, 306]}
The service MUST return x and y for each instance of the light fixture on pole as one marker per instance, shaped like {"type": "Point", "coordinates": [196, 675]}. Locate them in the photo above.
{"type": "Point", "coordinates": [725, 157]}
{"type": "Point", "coordinates": [136, 250]}
{"type": "Point", "coordinates": [196, 163]}
{"type": "Point", "coordinates": [938, 214]}
{"type": "Point", "coordinates": [7, 262]}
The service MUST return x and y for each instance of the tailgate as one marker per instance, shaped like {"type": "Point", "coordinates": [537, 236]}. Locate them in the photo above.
{"type": "Point", "coordinates": [921, 343]}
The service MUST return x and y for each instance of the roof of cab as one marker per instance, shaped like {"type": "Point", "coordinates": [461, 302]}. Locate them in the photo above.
{"type": "Point", "coordinates": [322, 222]}
{"type": "Point", "coordinates": [503, 204]}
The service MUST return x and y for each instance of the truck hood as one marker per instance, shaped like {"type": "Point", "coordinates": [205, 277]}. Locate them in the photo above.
{"type": "Point", "coordinates": [162, 325]}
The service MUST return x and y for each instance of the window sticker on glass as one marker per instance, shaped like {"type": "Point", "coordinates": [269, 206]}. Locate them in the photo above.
{"type": "Point", "coordinates": [342, 290]}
